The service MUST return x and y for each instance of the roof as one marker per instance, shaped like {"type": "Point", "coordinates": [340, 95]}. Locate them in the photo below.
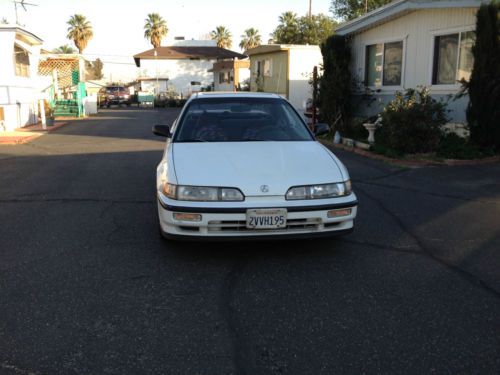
{"type": "Point", "coordinates": [398, 8]}
{"type": "Point", "coordinates": [229, 64]}
{"type": "Point", "coordinates": [270, 48]}
{"type": "Point", "coordinates": [186, 52]}
{"type": "Point", "coordinates": [23, 33]}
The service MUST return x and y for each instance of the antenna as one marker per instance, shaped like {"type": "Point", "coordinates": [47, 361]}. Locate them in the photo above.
{"type": "Point", "coordinates": [23, 4]}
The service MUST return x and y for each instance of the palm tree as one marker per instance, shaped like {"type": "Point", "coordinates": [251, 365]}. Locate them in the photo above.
{"type": "Point", "coordinates": [288, 30]}
{"type": "Point", "coordinates": [80, 31]}
{"type": "Point", "coordinates": [64, 49]}
{"type": "Point", "coordinates": [250, 39]}
{"type": "Point", "coordinates": [222, 36]}
{"type": "Point", "coordinates": [155, 29]}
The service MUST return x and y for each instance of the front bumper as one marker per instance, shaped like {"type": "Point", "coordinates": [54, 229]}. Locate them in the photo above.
{"type": "Point", "coordinates": [224, 221]}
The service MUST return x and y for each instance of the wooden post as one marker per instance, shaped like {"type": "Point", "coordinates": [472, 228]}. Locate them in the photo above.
{"type": "Point", "coordinates": [315, 95]}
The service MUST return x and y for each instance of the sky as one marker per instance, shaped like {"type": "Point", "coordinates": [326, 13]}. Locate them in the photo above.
{"type": "Point", "coordinates": [118, 24]}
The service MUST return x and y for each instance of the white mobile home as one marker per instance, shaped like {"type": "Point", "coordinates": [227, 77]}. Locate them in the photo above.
{"type": "Point", "coordinates": [19, 81]}
{"type": "Point", "coordinates": [411, 43]}
{"type": "Point", "coordinates": [185, 65]}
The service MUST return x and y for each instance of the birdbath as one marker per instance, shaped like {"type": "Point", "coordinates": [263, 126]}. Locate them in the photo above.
{"type": "Point", "coordinates": [371, 132]}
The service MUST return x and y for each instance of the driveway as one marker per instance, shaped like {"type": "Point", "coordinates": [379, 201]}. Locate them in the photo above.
{"type": "Point", "coordinates": [88, 286]}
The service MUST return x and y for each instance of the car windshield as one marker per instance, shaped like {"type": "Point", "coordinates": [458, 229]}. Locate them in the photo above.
{"type": "Point", "coordinates": [239, 120]}
{"type": "Point", "coordinates": [113, 89]}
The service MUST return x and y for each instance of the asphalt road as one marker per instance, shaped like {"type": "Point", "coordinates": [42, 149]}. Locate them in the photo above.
{"type": "Point", "coordinates": [88, 287]}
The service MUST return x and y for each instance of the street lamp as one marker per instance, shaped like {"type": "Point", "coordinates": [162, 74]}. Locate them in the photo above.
{"type": "Point", "coordinates": [157, 83]}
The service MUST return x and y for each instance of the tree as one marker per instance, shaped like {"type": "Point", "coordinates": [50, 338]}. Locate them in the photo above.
{"type": "Point", "coordinates": [80, 31]}
{"type": "Point", "coordinates": [335, 86]}
{"type": "Point", "coordinates": [155, 29]}
{"type": "Point", "coordinates": [4, 21]}
{"type": "Point", "coordinates": [222, 36]}
{"type": "Point", "coordinates": [303, 30]}
{"type": "Point", "coordinates": [350, 9]}
{"type": "Point", "coordinates": [483, 111]}
{"type": "Point", "coordinates": [288, 30]}
{"type": "Point", "coordinates": [94, 69]}
{"type": "Point", "coordinates": [64, 49]}
{"type": "Point", "coordinates": [315, 29]}
{"type": "Point", "coordinates": [250, 39]}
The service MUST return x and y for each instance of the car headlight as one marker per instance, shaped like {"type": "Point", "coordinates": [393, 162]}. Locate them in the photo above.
{"type": "Point", "coordinates": [338, 189]}
{"type": "Point", "coordinates": [202, 193]}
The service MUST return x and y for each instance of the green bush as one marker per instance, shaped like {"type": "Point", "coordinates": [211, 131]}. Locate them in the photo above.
{"type": "Point", "coordinates": [483, 112]}
{"type": "Point", "coordinates": [356, 130]}
{"type": "Point", "coordinates": [411, 122]}
{"type": "Point", "coordinates": [335, 85]}
{"type": "Point", "coordinates": [452, 146]}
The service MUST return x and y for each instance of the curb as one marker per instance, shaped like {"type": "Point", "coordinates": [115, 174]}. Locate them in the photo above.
{"type": "Point", "coordinates": [412, 163]}
{"type": "Point", "coordinates": [35, 133]}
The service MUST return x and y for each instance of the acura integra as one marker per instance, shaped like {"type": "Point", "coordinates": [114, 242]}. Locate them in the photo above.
{"type": "Point", "coordinates": [247, 165]}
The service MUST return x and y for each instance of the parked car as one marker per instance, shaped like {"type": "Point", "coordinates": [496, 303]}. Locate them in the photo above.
{"type": "Point", "coordinates": [114, 95]}
{"type": "Point", "coordinates": [245, 165]}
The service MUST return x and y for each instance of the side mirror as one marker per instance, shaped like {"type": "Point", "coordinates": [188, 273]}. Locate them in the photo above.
{"type": "Point", "coordinates": [162, 131]}
{"type": "Point", "coordinates": [321, 129]}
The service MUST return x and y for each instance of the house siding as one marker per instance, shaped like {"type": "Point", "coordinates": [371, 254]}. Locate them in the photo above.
{"type": "Point", "coordinates": [18, 94]}
{"type": "Point", "coordinates": [180, 73]}
{"type": "Point", "coordinates": [417, 30]}
{"type": "Point", "coordinates": [302, 63]}
{"type": "Point", "coordinates": [277, 82]}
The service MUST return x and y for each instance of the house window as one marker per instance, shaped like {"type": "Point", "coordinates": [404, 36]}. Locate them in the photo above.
{"type": "Point", "coordinates": [225, 77]}
{"type": "Point", "coordinates": [264, 68]}
{"type": "Point", "coordinates": [267, 68]}
{"type": "Point", "coordinates": [384, 64]}
{"type": "Point", "coordinates": [21, 62]}
{"type": "Point", "coordinates": [453, 59]}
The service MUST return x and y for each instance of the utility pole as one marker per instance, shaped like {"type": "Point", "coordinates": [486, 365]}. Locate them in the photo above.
{"type": "Point", "coordinates": [366, 6]}
{"type": "Point", "coordinates": [310, 8]}
{"type": "Point", "coordinates": [157, 82]}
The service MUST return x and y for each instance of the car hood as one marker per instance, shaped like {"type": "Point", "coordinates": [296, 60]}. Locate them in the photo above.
{"type": "Point", "coordinates": [249, 165]}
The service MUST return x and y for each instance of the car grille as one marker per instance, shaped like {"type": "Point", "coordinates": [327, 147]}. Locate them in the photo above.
{"type": "Point", "coordinates": [241, 226]}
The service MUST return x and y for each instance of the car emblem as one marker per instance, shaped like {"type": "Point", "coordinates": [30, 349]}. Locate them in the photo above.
{"type": "Point", "coordinates": [264, 188]}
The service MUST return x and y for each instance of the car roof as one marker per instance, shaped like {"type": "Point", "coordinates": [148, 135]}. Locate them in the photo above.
{"type": "Point", "coordinates": [232, 94]}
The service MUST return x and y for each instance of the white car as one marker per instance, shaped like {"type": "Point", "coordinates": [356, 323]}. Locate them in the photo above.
{"type": "Point", "coordinates": [246, 165]}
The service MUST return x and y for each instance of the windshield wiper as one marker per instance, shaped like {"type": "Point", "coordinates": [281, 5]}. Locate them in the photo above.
{"type": "Point", "coordinates": [193, 140]}
{"type": "Point", "coordinates": [253, 140]}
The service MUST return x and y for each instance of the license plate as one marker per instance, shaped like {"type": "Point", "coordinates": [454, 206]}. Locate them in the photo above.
{"type": "Point", "coordinates": [266, 218]}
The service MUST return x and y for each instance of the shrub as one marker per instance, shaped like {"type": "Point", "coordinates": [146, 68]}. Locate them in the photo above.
{"type": "Point", "coordinates": [356, 130]}
{"type": "Point", "coordinates": [452, 146]}
{"type": "Point", "coordinates": [411, 122]}
{"type": "Point", "coordinates": [483, 112]}
{"type": "Point", "coordinates": [335, 85]}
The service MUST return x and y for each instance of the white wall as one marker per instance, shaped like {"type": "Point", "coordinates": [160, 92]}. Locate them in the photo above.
{"type": "Point", "coordinates": [224, 86]}
{"type": "Point", "coordinates": [417, 31]}
{"type": "Point", "coordinates": [150, 86]}
{"type": "Point", "coordinates": [302, 62]}
{"type": "Point", "coordinates": [90, 104]}
{"type": "Point", "coordinates": [18, 95]}
{"type": "Point", "coordinates": [180, 73]}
